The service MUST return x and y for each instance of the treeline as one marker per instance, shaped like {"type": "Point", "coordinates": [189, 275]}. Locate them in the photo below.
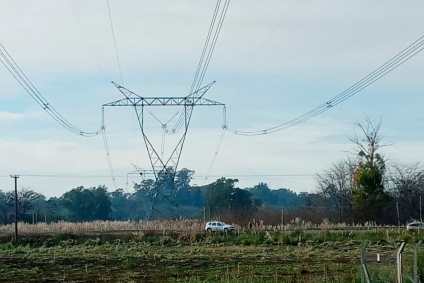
{"type": "Point", "coordinates": [344, 196]}
{"type": "Point", "coordinates": [149, 201]}
{"type": "Point", "coordinates": [363, 187]}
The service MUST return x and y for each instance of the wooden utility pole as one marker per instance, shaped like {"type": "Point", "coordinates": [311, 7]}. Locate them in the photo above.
{"type": "Point", "coordinates": [16, 205]}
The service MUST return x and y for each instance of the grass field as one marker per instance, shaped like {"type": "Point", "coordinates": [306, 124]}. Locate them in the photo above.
{"type": "Point", "coordinates": [160, 256]}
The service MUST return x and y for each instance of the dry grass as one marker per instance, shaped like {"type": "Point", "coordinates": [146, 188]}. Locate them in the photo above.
{"type": "Point", "coordinates": [184, 225]}
{"type": "Point", "coordinates": [68, 227]}
{"type": "Point", "coordinates": [300, 224]}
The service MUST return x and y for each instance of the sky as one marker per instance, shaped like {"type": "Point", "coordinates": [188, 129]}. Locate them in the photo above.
{"type": "Point", "coordinates": [273, 61]}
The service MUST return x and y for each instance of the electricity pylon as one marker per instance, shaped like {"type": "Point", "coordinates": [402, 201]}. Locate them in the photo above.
{"type": "Point", "coordinates": [165, 168]}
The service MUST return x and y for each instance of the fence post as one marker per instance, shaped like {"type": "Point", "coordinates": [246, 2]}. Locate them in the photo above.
{"type": "Point", "coordinates": [416, 260]}
{"type": "Point", "coordinates": [364, 272]}
{"type": "Point", "coordinates": [399, 262]}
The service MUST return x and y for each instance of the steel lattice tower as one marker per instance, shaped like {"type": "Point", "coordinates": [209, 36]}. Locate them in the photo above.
{"type": "Point", "coordinates": [165, 168]}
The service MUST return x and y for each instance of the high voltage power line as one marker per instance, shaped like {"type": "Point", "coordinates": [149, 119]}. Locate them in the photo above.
{"type": "Point", "coordinates": [114, 41]}
{"type": "Point", "coordinates": [380, 72]}
{"type": "Point", "coordinates": [85, 39]}
{"type": "Point", "coordinates": [164, 169]}
{"type": "Point", "coordinates": [212, 37]}
{"type": "Point", "coordinates": [103, 128]}
{"type": "Point", "coordinates": [208, 50]}
{"type": "Point", "coordinates": [23, 80]}
{"type": "Point", "coordinates": [109, 160]}
{"type": "Point", "coordinates": [215, 156]}
{"type": "Point", "coordinates": [206, 56]}
{"type": "Point", "coordinates": [272, 33]}
{"type": "Point", "coordinates": [194, 177]}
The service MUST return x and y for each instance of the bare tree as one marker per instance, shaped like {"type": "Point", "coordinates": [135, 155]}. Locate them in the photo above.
{"type": "Point", "coordinates": [370, 143]}
{"type": "Point", "coordinates": [335, 184]}
{"type": "Point", "coordinates": [406, 185]}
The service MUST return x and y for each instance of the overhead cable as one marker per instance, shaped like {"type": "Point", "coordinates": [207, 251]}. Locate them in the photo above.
{"type": "Point", "coordinates": [215, 156]}
{"type": "Point", "coordinates": [27, 85]}
{"type": "Point", "coordinates": [213, 44]}
{"type": "Point", "coordinates": [205, 47]}
{"type": "Point", "coordinates": [207, 52]}
{"type": "Point", "coordinates": [86, 41]}
{"type": "Point", "coordinates": [103, 128]}
{"type": "Point", "coordinates": [380, 72]}
{"type": "Point", "coordinates": [272, 33]}
{"type": "Point", "coordinates": [114, 41]}
{"type": "Point", "coordinates": [109, 160]}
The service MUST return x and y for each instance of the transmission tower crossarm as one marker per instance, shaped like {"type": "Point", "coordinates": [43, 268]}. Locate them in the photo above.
{"type": "Point", "coordinates": [133, 99]}
{"type": "Point", "coordinates": [163, 101]}
{"type": "Point", "coordinates": [207, 102]}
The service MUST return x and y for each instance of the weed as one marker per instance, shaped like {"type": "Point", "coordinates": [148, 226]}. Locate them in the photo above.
{"type": "Point", "coordinates": [93, 242]}
{"type": "Point", "coordinates": [6, 247]}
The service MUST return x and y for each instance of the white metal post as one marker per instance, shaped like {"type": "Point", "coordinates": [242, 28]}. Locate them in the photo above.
{"type": "Point", "coordinates": [399, 262]}
{"type": "Point", "coordinates": [416, 260]}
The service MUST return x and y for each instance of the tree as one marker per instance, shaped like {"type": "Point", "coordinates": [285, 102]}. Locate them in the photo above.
{"type": "Point", "coordinates": [336, 184]}
{"type": "Point", "coordinates": [218, 195]}
{"type": "Point", "coordinates": [143, 199]}
{"type": "Point", "coordinates": [222, 197]}
{"type": "Point", "coordinates": [120, 204]}
{"type": "Point", "coordinates": [55, 209]}
{"type": "Point", "coordinates": [183, 178]}
{"type": "Point", "coordinates": [87, 204]}
{"type": "Point", "coordinates": [3, 208]}
{"type": "Point", "coordinates": [406, 186]}
{"type": "Point", "coordinates": [262, 192]}
{"type": "Point", "coordinates": [368, 195]}
{"type": "Point", "coordinates": [101, 203]}
{"type": "Point", "coordinates": [38, 208]}
{"type": "Point", "coordinates": [26, 202]}
{"type": "Point", "coordinates": [275, 198]}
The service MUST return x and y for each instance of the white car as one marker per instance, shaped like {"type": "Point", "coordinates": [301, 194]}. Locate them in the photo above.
{"type": "Point", "coordinates": [415, 225]}
{"type": "Point", "coordinates": [219, 226]}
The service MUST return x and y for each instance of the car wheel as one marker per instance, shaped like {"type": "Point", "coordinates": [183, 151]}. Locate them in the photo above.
{"type": "Point", "coordinates": [209, 230]}
{"type": "Point", "coordinates": [226, 230]}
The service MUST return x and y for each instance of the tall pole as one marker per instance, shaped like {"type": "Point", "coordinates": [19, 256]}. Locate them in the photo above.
{"type": "Point", "coordinates": [421, 218]}
{"type": "Point", "coordinates": [282, 216]}
{"type": "Point", "coordinates": [16, 205]}
{"type": "Point", "coordinates": [398, 216]}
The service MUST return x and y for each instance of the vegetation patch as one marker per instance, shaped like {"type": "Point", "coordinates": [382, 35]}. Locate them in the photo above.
{"type": "Point", "coordinates": [255, 256]}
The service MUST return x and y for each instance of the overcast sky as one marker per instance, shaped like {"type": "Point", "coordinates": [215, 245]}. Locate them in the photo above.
{"type": "Point", "coordinates": [270, 66]}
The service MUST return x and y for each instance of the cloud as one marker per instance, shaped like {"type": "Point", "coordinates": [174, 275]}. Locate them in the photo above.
{"type": "Point", "coordinates": [322, 48]}
{"type": "Point", "coordinates": [5, 116]}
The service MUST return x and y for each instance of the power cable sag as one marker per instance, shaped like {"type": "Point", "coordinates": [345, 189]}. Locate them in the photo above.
{"type": "Point", "coordinates": [402, 57]}
{"type": "Point", "coordinates": [27, 85]}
